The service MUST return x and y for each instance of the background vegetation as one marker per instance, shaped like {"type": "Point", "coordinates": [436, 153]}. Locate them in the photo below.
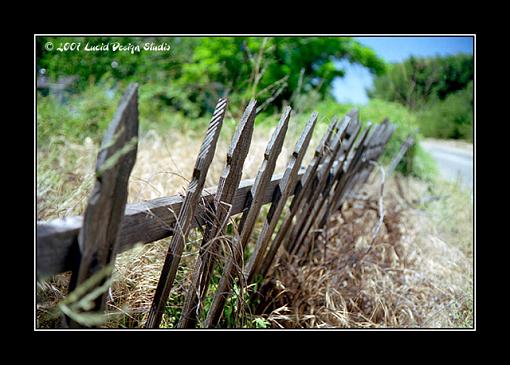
{"type": "Point", "coordinates": [179, 88]}
{"type": "Point", "coordinates": [439, 90]}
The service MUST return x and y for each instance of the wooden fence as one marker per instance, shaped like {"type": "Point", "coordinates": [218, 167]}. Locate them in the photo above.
{"type": "Point", "coordinates": [86, 245]}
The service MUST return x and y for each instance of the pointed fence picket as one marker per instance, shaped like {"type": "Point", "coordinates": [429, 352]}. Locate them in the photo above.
{"type": "Point", "coordinates": [302, 199]}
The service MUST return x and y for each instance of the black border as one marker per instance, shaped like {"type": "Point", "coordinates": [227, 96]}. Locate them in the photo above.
{"type": "Point", "coordinates": [233, 332]}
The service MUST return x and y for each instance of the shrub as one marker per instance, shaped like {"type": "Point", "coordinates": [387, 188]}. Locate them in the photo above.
{"type": "Point", "coordinates": [420, 163]}
{"type": "Point", "coordinates": [80, 115]}
{"type": "Point", "coordinates": [449, 118]}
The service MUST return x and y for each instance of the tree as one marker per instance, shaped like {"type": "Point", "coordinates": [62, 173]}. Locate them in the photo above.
{"type": "Point", "coordinates": [417, 81]}
{"type": "Point", "coordinates": [197, 71]}
{"type": "Point", "coordinates": [451, 117]}
{"type": "Point", "coordinates": [438, 89]}
{"type": "Point", "coordinates": [275, 68]}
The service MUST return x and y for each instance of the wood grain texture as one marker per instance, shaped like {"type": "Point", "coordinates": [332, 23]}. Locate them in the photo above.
{"type": "Point", "coordinates": [287, 184]}
{"type": "Point", "coordinates": [55, 242]}
{"type": "Point", "coordinates": [373, 150]}
{"type": "Point", "coordinates": [347, 172]}
{"type": "Point", "coordinates": [348, 132]}
{"type": "Point", "coordinates": [354, 170]}
{"type": "Point", "coordinates": [321, 200]}
{"type": "Point", "coordinates": [98, 236]}
{"type": "Point", "coordinates": [227, 187]}
{"type": "Point", "coordinates": [249, 217]}
{"type": "Point", "coordinates": [304, 217]}
{"type": "Point", "coordinates": [302, 195]}
{"type": "Point", "coordinates": [143, 223]}
{"type": "Point", "coordinates": [340, 171]}
{"type": "Point", "coordinates": [186, 214]}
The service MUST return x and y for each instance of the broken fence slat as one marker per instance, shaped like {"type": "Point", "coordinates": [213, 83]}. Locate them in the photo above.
{"type": "Point", "coordinates": [403, 149]}
{"type": "Point", "coordinates": [338, 172]}
{"type": "Point", "coordinates": [287, 184]}
{"type": "Point", "coordinates": [335, 195]}
{"type": "Point", "coordinates": [228, 184]}
{"type": "Point", "coordinates": [330, 154]}
{"type": "Point", "coordinates": [305, 217]}
{"type": "Point", "coordinates": [103, 215]}
{"type": "Point", "coordinates": [186, 215]}
{"type": "Point", "coordinates": [298, 199]}
{"type": "Point", "coordinates": [325, 189]}
{"type": "Point", "coordinates": [249, 218]}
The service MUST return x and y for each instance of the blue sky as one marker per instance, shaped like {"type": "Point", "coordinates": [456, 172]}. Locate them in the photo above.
{"type": "Point", "coordinates": [352, 87]}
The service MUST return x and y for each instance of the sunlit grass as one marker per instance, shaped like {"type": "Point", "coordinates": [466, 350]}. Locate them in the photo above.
{"type": "Point", "coordinates": [438, 247]}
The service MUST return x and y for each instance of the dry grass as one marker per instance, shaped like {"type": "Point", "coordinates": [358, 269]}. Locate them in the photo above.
{"type": "Point", "coordinates": [417, 275]}
{"type": "Point", "coordinates": [164, 165]}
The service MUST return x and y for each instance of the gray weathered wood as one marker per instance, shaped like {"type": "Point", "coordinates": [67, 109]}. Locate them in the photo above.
{"type": "Point", "coordinates": [83, 246]}
{"type": "Point", "coordinates": [56, 240]}
{"type": "Point", "coordinates": [370, 150]}
{"type": "Point", "coordinates": [333, 153]}
{"type": "Point", "coordinates": [396, 159]}
{"type": "Point", "coordinates": [303, 220]}
{"type": "Point", "coordinates": [143, 223]}
{"type": "Point", "coordinates": [357, 171]}
{"type": "Point", "coordinates": [340, 171]}
{"type": "Point", "coordinates": [287, 184]}
{"type": "Point", "coordinates": [186, 215]}
{"type": "Point", "coordinates": [250, 215]}
{"type": "Point", "coordinates": [375, 149]}
{"type": "Point", "coordinates": [325, 190]}
{"type": "Point", "coordinates": [334, 199]}
{"type": "Point", "coordinates": [99, 233]}
{"type": "Point", "coordinates": [304, 192]}
{"type": "Point", "coordinates": [227, 187]}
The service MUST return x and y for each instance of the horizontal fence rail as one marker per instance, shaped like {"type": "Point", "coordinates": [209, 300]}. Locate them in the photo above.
{"type": "Point", "coordinates": [302, 198]}
{"type": "Point", "coordinates": [143, 223]}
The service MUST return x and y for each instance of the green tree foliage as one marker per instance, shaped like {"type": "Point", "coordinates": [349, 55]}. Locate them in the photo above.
{"type": "Point", "coordinates": [439, 89]}
{"type": "Point", "coordinates": [417, 162]}
{"type": "Point", "coordinates": [417, 81]}
{"type": "Point", "coordinates": [92, 66]}
{"type": "Point", "coordinates": [273, 68]}
{"type": "Point", "coordinates": [449, 118]}
{"type": "Point", "coordinates": [196, 71]}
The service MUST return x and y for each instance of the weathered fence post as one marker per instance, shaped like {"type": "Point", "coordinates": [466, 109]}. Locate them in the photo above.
{"type": "Point", "coordinates": [105, 208]}
{"type": "Point", "coordinates": [339, 171]}
{"type": "Point", "coordinates": [403, 149]}
{"type": "Point", "coordinates": [305, 190]}
{"type": "Point", "coordinates": [227, 188]}
{"type": "Point", "coordinates": [252, 208]}
{"type": "Point", "coordinates": [326, 180]}
{"type": "Point", "coordinates": [186, 214]}
{"type": "Point", "coordinates": [287, 183]}
{"type": "Point", "coordinates": [88, 246]}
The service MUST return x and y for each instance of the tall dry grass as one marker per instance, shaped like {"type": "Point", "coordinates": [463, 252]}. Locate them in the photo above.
{"type": "Point", "coordinates": [65, 173]}
{"type": "Point", "coordinates": [418, 274]}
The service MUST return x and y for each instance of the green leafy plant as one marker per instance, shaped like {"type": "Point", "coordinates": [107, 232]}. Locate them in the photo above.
{"type": "Point", "coordinates": [438, 89]}
{"type": "Point", "coordinates": [78, 304]}
{"type": "Point", "coordinates": [261, 322]}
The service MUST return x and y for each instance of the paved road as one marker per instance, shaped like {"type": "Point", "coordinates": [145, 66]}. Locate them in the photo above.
{"type": "Point", "coordinates": [453, 162]}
